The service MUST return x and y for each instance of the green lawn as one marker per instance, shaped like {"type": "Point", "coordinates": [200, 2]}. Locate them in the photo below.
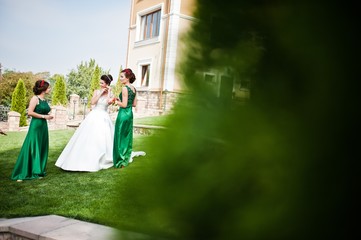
{"type": "Point", "coordinates": [79, 195]}
{"type": "Point", "coordinates": [156, 120]}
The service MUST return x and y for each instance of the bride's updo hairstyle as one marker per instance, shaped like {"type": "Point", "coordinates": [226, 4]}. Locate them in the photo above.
{"type": "Point", "coordinates": [40, 86]}
{"type": "Point", "coordinates": [129, 74]}
{"type": "Point", "coordinates": [107, 79]}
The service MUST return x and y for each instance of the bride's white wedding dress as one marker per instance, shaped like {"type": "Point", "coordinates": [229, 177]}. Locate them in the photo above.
{"type": "Point", "coordinates": [91, 147]}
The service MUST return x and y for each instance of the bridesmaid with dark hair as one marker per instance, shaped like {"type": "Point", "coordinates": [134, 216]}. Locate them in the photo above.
{"type": "Point", "coordinates": [123, 135]}
{"type": "Point", "coordinates": [31, 162]}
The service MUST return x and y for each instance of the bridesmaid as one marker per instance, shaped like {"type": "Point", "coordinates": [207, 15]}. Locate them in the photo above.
{"type": "Point", "coordinates": [123, 136]}
{"type": "Point", "coordinates": [31, 162]}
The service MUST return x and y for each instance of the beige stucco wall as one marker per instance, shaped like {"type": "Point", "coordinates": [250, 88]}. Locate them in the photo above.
{"type": "Point", "coordinates": [154, 52]}
{"type": "Point", "coordinates": [148, 51]}
{"type": "Point", "coordinates": [139, 5]}
{"type": "Point", "coordinates": [188, 7]}
{"type": "Point", "coordinates": [184, 26]}
{"type": "Point", "coordinates": [143, 55]}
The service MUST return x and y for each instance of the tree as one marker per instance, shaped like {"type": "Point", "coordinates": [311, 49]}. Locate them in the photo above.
{"type": "Point", "coordinates": [8, 84]}
{"type": "Point", "coordinates": [59, 94]}
{"type": "Point", "coordinates": [41, 75]}
{"type": "Point", "coordinates": [94, 83]}
{"type": "Point", "coordinates": [281, 166]}
{"type": "Point", "coordinates": [1, 75]}
{"type": "Point", "coordinates": [118, 85]}
{"type": "Point", "coordinates": [79, 80]}
{"type": "Point", "coordinates": [19, 101]}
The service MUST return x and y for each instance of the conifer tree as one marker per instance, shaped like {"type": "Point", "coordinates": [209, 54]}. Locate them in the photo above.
{"type": "Point", "coordinates": [94, 83]}
{"type": "Point", "coordinates": [118, 85]}
{"type": "Point", "coordinates": [19, 101]}
{"type": "Point", "coordinates": [59, 93]}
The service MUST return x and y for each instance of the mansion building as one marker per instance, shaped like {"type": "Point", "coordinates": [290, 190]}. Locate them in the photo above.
{"type": "Point", "coordinates": [155, 48]}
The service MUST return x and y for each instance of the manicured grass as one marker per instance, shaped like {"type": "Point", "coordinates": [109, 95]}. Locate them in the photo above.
{"type": "Point", "coordinates": [156, 120]}
{"type": "Point", "coordinates": [80, 195]}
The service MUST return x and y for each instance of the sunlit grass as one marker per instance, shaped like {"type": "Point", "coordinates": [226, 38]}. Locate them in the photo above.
{"type": "Point", "coordinates": [155, 120]}
{"type": "Point", "coordinates": [79, 195]}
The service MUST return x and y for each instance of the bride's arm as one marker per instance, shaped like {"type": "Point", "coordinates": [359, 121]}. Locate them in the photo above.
{"type": "Point", "coordinates": [95, 97]}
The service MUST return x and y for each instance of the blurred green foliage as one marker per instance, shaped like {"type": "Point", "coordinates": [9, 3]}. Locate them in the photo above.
{"type": "Point", "coordinates": [277, 166]}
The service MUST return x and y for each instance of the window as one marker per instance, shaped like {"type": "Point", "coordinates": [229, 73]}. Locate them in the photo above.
{"type": "Point", "coordinates": [209, 78]}
{"type": "Point", "coordinates": [226, 87]}
{"type": "Point", "coordinates": [150, 24]}
{"type": "Point", "coordinates": [145, 76]}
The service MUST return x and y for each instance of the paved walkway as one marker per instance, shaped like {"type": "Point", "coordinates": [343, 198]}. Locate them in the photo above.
{"type": "Point", "coordinates": [54, 227]}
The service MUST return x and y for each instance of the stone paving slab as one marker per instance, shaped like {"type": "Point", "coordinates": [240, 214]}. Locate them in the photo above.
{"type": "Point", "coordinates": [6, 223]}
{"type": "Point", "coordinates": [37, 227]}
{"type": "Point", "coordinates": [82, 230]}
{"type": "Point", "coordinates": [54, 227]}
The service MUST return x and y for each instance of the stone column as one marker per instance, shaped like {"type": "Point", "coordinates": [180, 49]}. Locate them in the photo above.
{"type": "Point", "coordinates": [14, 121]}
{"type": "Point", "coordinates": [60, 117]}
{"type": "Point", "coordinates": [140, 109]}
{"type": "Point", "coordinates": [172, 43]}
{"type": "Point", "coordinates": [74, 105]}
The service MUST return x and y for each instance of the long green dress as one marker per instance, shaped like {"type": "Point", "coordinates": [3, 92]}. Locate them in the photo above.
{"type": "Point", "coordinates": [123, 135]}
{"type": "Point", "coordinates": [31, 162]}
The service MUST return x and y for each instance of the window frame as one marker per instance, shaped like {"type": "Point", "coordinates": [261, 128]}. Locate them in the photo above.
{"type": "Point", "coordinates": [157, 13]}
{"type": "Point", "coordinates": [147, 80]}
{"type": "Point", "coordinates": [140, 64]}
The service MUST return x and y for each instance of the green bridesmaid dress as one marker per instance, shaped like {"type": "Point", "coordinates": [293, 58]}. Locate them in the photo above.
{"type": "Point", "coordinates": [31, 162]}
{"type": "Point", "coordinates": [123, 135]}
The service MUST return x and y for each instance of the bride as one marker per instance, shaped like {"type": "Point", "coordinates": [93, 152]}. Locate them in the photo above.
{"type": "Point", "coordinates": [91, 147]}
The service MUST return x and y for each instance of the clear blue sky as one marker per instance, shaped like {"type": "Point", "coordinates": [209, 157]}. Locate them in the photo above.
{"type": "Point", "coordinates": [57, 35]}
